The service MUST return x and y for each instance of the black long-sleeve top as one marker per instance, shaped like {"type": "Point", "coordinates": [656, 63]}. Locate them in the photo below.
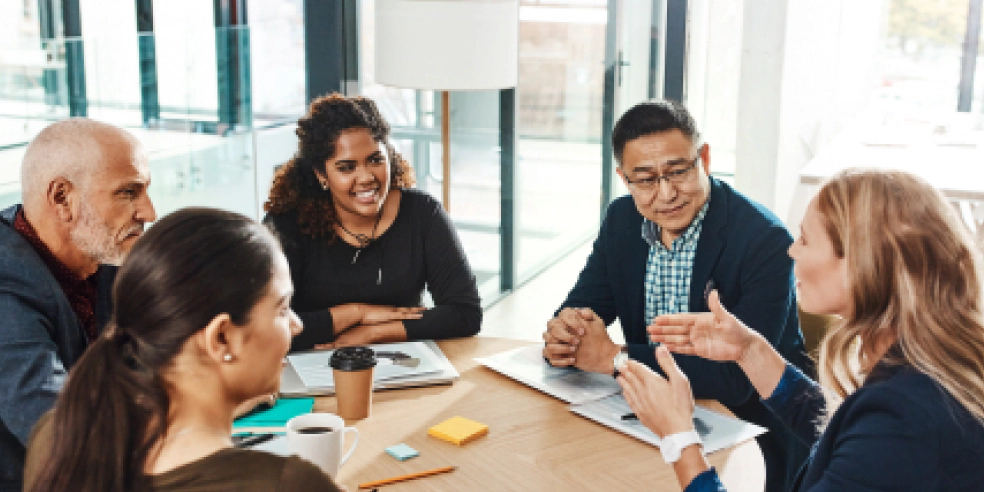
{"type": "Point", "coordinates": [420, 249]}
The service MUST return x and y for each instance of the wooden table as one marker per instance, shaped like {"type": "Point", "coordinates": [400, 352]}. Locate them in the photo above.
{"type": "Point", "coordinates": [534, 442]}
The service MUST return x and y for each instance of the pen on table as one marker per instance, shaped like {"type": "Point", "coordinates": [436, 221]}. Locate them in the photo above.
{"type": "Point", "coordinates": [411, 476]}
{"type": "Point", "coordinates": [252, 440]}
{"type": "Point", "coordinates": [630, 416]}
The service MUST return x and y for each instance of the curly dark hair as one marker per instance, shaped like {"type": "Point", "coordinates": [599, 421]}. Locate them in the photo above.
{"type": "Point", "coordinates": [295, 185]}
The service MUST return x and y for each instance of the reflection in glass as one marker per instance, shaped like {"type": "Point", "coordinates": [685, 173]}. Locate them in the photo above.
{"type": "Point", "coordinates": [561, 89]}
{"type": "Point", "coordinates": [194, 160]}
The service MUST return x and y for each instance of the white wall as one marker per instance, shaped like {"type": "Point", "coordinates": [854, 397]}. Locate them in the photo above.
{"type": "Point", "coordinates": [770, 82]}
{"type": "Point", "coordinates": [760, 99]}
{"type": "Point", "coordinates": [827, 80]}
{"type": "Point", "coordinates": [713, 69]}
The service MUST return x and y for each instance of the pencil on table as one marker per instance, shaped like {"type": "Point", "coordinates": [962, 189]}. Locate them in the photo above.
{"type": "Point", "coordinates": [411, 476]}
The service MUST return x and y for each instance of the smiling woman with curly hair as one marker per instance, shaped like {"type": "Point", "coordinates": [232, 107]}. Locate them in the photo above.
{"type": "Point", "coordinates": [361, 243]}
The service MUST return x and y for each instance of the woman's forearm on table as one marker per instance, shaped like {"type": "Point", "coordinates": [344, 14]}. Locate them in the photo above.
{"type": "Point", "coordinates": [345, 316]}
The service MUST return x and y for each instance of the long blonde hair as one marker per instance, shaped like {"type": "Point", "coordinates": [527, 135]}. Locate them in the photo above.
{"type": "Point", "coordinates": [913, 276]}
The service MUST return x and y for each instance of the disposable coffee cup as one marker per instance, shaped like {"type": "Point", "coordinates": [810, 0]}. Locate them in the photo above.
{"type": "Point", "coordinates": [319, 438]}
{"type": "Point", "coordinates": [352, 369]}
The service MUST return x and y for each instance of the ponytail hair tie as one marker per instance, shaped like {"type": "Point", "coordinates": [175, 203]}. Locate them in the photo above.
{"type": "Point", "coordinates": [127, 347]}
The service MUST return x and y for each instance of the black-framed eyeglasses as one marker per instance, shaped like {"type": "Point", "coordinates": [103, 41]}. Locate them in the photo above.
{"type": "Point", "coordinates": [674, 177]}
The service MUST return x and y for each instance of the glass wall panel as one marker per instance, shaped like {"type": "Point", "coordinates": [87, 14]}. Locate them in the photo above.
{"type": "Point", "coordinates": [193, 159]}
{"type": "Point", "coordinates": [203, 150]}
{"type": "Point", "coordinates": [111, 60]}
{"type": "Point", "coordinates": [277, 57]}
{"type": "Point", "coordinates": [921, 47]}
{"type": "Point", "coordinates": [26, 62]}
{"type": "Point", "coordinates": [561, 89]}
{"type": "Point", "coordinates": [860, 84]}
{"type": "Point", "coordinates": [892, 67]}
{"type": "Point", "coordinates": [29, 68]}
{"type": "Point", "coordinates": [186, 59]}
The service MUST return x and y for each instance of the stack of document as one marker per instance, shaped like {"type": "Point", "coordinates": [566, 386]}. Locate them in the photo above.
{"type": "Point", "coordinates": [598, 397]}
{"type": "Point", "coordinates": [716, 431]}
{"type": "Point", "coordinates": [421, 364]}
{"type": "Point", "coordinates": [527, 366]}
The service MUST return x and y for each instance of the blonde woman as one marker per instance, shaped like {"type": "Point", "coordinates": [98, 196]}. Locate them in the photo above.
{"type": "Point", "coordinates": [904, 368]}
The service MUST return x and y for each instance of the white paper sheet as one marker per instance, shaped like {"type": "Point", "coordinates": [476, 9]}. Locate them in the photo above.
{"type": "Point", "coordinates": [527, 366]}
{"type": "Point", "coordinates": [717, 431]}
{"type": "Point", "coordinates": [315, 371]}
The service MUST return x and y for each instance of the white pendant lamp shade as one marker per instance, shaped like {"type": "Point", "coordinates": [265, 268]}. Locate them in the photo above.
{"type": "Point", "coordinates": [447, 45]}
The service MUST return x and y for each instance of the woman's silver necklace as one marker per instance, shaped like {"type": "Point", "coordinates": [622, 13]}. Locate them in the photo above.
{"type": "Point", "coordinates": [362, 239]}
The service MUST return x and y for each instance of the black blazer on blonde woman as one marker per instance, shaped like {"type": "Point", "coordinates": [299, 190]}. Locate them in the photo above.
{"type": "Point", "coordinates": [899, 431]}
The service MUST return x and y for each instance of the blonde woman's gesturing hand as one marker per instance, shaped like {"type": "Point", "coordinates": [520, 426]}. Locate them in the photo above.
{"type": "Point", "coordinates": [664, 405]}
{"type": "Point", "coordinates": [716, 335]}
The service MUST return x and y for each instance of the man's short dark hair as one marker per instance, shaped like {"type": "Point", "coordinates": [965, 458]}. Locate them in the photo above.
{"type": "Point", "coordinates": [651, 117]}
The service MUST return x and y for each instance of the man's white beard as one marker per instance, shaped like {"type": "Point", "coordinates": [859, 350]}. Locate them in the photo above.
{"type": "Point", "coordinates": [95, 238]}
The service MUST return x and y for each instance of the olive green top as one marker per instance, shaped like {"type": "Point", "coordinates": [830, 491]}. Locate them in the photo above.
{"type": "Point", "coordinates": [229, 469]}
{"type": "Point", "coordinates": [244, 470]}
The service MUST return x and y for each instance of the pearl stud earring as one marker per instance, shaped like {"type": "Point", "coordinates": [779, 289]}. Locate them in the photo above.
{"type": "Point", "coordinates": [227, 357]}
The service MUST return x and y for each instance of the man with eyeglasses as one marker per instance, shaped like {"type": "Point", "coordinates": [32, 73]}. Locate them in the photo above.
{"type": "Point", "coordinates": [679, 235]}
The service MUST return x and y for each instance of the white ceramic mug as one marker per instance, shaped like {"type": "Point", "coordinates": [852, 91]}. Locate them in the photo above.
{"type": "Point", "coordinates": [321, 448]}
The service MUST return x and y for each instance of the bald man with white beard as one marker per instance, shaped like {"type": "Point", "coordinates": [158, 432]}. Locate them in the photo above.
{"type": "Point", "coordinates": [85, 202]}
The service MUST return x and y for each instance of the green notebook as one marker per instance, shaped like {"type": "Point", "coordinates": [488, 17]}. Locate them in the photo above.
{"type": "Point", "coordinates": [284, 410]}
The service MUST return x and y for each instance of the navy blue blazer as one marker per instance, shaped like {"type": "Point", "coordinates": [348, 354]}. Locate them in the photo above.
{"type": "Point", "coordinates": [741, 252]}
{"type": "Point", "coordinates": [899, 431]}
{"type": "Point", "coordinates": [41, 338]}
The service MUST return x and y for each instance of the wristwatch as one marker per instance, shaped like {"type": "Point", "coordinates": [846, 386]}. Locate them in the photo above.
{"type": "Point", "coordinates": [621, 358]}
{"type": "Point", "coordinates": [672, 446]}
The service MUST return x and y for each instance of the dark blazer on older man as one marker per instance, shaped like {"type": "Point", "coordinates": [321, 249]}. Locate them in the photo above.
{"type": "Point", "coordinates": [41, 338]}
{"type": "Point", "coordinates": [741, 252]}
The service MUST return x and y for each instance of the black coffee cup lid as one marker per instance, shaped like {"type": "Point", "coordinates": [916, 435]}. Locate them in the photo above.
{"type": "Point", "coordinates": [353, 358]}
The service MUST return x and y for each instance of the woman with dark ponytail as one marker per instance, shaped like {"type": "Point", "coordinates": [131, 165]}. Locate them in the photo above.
{"type": "Point", "coordinates": [202, 321]}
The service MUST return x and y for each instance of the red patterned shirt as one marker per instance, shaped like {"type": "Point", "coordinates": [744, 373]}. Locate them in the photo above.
{"type": "Point", "coordinates": [81, 293]}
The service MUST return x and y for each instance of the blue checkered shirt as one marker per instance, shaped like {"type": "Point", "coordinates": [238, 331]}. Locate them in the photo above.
{"type": "Point", "coordinates": [668, 271]}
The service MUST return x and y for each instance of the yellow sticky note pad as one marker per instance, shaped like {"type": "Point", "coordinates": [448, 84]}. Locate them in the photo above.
{"type": "Point", "coordinates": [459, 430]}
